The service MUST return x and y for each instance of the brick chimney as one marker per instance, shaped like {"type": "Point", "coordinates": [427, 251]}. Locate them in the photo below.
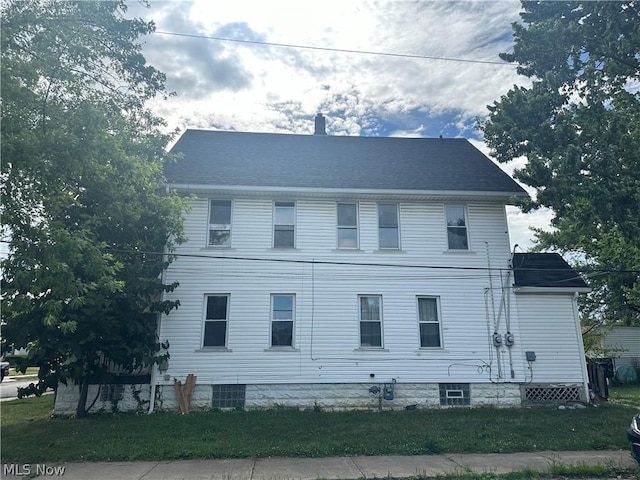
{"type": "Point", "coordinates": [320, 125]}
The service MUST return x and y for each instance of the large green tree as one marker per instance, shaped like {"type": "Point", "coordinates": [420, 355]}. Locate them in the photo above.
{"type": "Point", "coordinates": [578, 126]}
{"type": "Point", "coordinates": [83, 197]}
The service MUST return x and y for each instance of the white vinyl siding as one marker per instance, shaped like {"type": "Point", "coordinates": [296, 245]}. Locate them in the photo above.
{"type": "Point", "coordinates": [326, 329]}
{"type": "Point", "coordinates": [625, 342]}
{"type": "Point", "coordinates": [422, 223]}
{"type": "Point", "coordinates": [548, 328]}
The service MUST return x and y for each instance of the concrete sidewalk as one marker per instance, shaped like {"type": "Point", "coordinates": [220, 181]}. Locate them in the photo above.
{"type": "Point", "coordinates": [357, 467]}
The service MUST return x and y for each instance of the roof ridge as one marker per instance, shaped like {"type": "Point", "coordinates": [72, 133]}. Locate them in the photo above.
{"type": "Point", "coordinates": [204, 130]}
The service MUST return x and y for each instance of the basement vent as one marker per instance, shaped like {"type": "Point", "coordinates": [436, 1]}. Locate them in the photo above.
{"type": "Point", "coordinates": [547, 395]}
{"type": "Point", "coordinates": [111, 393]}
{"type": "Point", "coordinates": [228, 396]}
{"type": "Point", "coordinates": [455, 394]}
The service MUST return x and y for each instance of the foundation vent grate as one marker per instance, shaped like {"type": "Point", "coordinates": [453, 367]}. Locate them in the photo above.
{"type": "Point", "coordinates": [111, 393]}
{"type": "Point", "coordinates": [551, 395]}
{"type": "Point", "coordinates": [229, 396]}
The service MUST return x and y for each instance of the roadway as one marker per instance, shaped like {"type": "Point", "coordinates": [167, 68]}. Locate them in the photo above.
{"type": "Point", "coordinates": [9, 387]}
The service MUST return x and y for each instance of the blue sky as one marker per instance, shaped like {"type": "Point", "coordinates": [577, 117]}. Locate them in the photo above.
{"type": "Point", "coordinates": [435, 71]}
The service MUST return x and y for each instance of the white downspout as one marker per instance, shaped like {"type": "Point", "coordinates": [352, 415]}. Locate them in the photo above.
{"type": "Point", "coordinates": [583, 364]}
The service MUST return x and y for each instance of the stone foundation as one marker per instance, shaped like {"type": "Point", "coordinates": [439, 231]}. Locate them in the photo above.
{"type": "Point", "coordinates": [495, 395]}
{"type": "Point", "coordinates": [341, 396]}
{"type": "Point", "coordinates": [167, 400]}
{"type": "Point", "coordinates": [329, 397]}
{"type": "Point", "coordinates": [134, 398]}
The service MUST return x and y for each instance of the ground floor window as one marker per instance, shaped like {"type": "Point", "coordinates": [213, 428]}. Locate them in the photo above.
{"type": "Point", "coordinates": [429, 322]}
{"type": "Point", "coordinates": [282, 319]}
{"type": "Point", "coordinates": [215, 321]}
{"type": "Point", "coordinates": [370, 320]}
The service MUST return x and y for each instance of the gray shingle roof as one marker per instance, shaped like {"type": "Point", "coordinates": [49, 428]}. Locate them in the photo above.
{"type": "Point", "coordinates": [324, 161]}
{"type": "Point", "coordinates": [545, 270]}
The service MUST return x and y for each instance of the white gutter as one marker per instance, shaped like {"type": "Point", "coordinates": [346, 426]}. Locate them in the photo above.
{"type": "Point", "coordinates": [339, 193]}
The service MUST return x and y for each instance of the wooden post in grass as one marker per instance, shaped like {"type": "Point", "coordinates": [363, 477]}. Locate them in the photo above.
{"type": "Point", "coordinates": [185, 391]}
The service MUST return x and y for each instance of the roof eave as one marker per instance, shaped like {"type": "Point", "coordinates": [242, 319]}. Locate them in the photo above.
{"type": "Point", "coordinates": [337, 193]}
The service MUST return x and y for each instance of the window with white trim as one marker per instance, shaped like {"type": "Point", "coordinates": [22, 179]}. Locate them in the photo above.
{"type": "Point", "coordinates": [219, 223]}
{"type": "Point", "coordinates": [347, 225]}
{"type": "Point", "coordinates": [215, 321]}
{"type": "Point", "coordinates": [388, 226]}
{"type": "Point", "coordinates": [284, 224]}
{"type": "Point", "coordinates": [370, 307]}
{"type": "Point", "coordinates": [457, 235]}
{"type": "Point", "coordinates": [455, 394]}
{"type": "Point", "coordinates": [283, 309]}
{"type": "Point", "coordinates": [429, 322]}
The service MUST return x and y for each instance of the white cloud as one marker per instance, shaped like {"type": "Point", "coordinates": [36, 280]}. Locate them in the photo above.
{"type": "Point", "coordinates": [245, 81]}
{"type": "Point", "coordinates": [268, 88]}
{"type": "Point", "coordinates": [520, 223]}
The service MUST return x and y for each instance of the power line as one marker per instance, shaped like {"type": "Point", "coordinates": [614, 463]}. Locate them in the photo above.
{"type": "Point", "coordinates": [339, 50]}
{"type": "Point", "coordinates": [372, 264]}
{"type": "Point", "coordinates": [307, 262]}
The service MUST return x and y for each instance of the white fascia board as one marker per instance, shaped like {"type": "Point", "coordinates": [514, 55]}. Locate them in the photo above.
{"type": "Point", "coordinates": [351, 193]}
{"type": "Point", "coordinates": [555, 290]}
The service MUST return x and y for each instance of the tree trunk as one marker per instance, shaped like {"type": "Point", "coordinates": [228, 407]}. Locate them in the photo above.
{"type": "Point", "coordinates": [81, 410]}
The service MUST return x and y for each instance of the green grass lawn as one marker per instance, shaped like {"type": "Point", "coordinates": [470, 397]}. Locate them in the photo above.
{"type": "Point", "coordinates": [628, 396]}
{"type": "Point", "coordinates": [31, 371]}
{"type": "Point", "coordinates": [30, 435]}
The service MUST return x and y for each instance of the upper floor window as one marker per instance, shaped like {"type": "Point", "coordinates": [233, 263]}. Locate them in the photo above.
{"type": "Point", "coordinates": [347, 225]}
{"type": "Point", "coordinates": [388, 226]}
{"type": "Point", "coordinates": [429, 322]}
{"type": "Point", "coordinates": [370, 320]}
{"type": "Point", "coordinates": [220, 223]}
{"type": "Point", "coordinates": [284, 221]}
{"type": "Point", "coordinates": [282, 318]}
{"type": "Point", "coordinates": [457, 234]}
{"type": "Point", "coordinates": [215, 321]}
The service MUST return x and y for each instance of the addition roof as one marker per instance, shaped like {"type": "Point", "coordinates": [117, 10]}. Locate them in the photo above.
{"type": "Point", "coordinates": [545, 270]}
{"type": "Point", "coordinates": [218, 158]}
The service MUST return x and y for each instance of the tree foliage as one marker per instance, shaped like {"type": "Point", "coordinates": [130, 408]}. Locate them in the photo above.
{"type": "Point", "coordinates": [578, 126]}
{"type": "Point", "coordinates": [83, 195]}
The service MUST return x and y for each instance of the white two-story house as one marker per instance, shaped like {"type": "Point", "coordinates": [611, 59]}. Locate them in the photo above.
{"type": "Point", "coordinates": [359, 273]}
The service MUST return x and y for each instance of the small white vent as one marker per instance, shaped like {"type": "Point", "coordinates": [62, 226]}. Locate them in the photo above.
{"type": "Point", "coordinates": [455, 394]}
